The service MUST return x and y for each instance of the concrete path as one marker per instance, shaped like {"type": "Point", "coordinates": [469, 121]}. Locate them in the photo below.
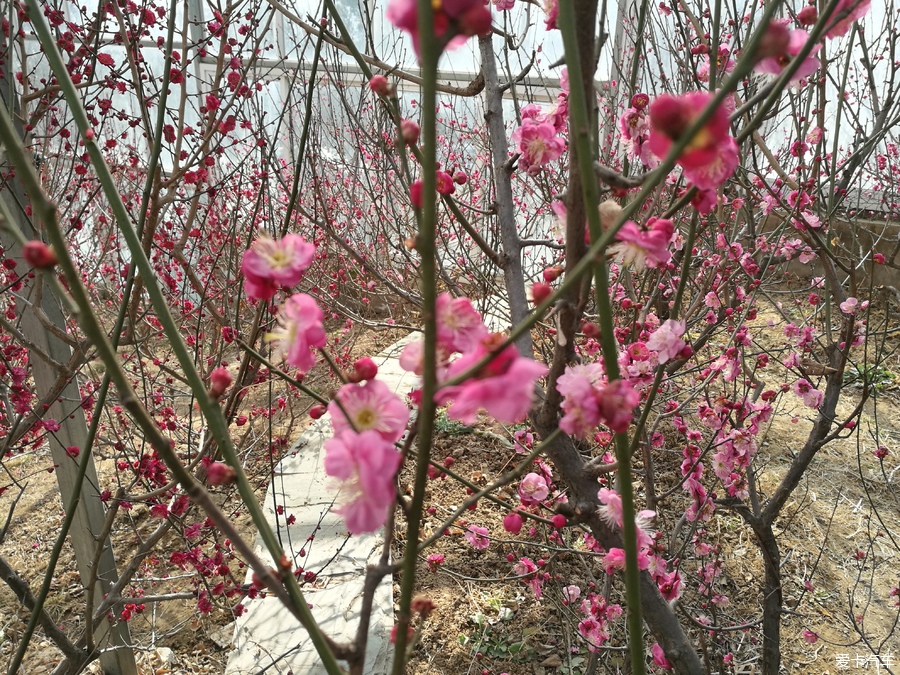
{"type": "Point", "coordinates": [267, 638]}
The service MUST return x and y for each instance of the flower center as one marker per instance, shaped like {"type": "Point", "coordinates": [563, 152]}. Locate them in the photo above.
{"type": "Point", "coordinates": [365, 418]}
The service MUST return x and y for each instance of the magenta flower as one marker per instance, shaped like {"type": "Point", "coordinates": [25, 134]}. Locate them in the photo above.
{"type": "Point", "coordinates": [659, 657]}
{"type": "Point", "coordinates": [504, 388]}
{"type": "Point", "coordinates": [299, 330]}
{"type": "Point", "coordinates": [666, 340]}
{"type": "Point", "coordinates": [711, 156]}
{"type": "Point", "coordinates": [454, 20]}
{"type": "Point", "coordinates": [614, 560]}
{"type": "Point", "coordinates": [477, 536]}
{"type": "Point", "coordinates": [551, 8]}
{"type": "Point", "coordinates": [459, 326]}
{"type": "Point", "coordinates": [846, 12]}
{"type": "Point", "coordinates": [366, 464]}
{"type": "Point", "coordinates": [776, 63]}
{"type": "Point", "coordinates": [268, 264]}
{"type": "Point", "coordinates": [811, 396]}
{"type": "Point", "coordinates": [647, 247]}
{"type": "Point", "coordinates": [617, 401]}
{"type": "Point", "coordinates": [580, 408]}
{"type": "Point", "coordinates": [538, 144]}
{"type": "Point", "coordinates": [371, 407]}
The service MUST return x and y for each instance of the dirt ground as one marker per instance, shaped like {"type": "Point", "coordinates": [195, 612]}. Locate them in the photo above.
{"type": "Point", "coordinates": [840, 532]}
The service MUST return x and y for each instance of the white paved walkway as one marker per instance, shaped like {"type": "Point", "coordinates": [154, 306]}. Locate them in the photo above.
{"type": "Point", "coordinates": [267, 638]}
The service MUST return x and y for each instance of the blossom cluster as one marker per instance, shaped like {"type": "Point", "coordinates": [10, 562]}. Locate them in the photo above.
{"type": "Point", "coordinates": [504, 387]}
{"type": "Point", "coordinates": [537, 140]}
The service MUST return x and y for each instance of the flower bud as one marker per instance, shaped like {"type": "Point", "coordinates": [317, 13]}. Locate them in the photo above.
{"type": "Point", "coordinates": [317, 411]}
{"type": "Point", "coordinates": [379, 84]}
{"type": "Point", "coordinates": [590, 329]}
{"type": "Point", "coordinates": [551, 274]}
{"type": "Point", "coordinates": [39, 255]}
{"type": "Point", "coordinates": [363, 369]}
{"type": "Point", "coordinates": [415, 194]}
{"type": "Point", "coordinates": [807, 16]}
{"type": "Point", "coordinates": [219, 381]}
{"type": "Point", "coordinates": [609, 213]}
{"type": "Point", "coordinates": [540, 292]}
{"type": "Point", "coordinates": [219, 473]}
{"type": "Point", "coordinates": [512, 523]}
{"type": "Point", "coordinates": [409, 131]}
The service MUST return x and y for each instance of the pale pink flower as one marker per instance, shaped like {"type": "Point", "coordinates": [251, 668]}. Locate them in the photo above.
{"type": "Point", "coordinates": [580, 408]}
{"type": "Point", "coordinates": [811, 396]}
{"type": "Point", "coordinates": [269, 264]}
{"type": "Point", "coordinates": [459, 326]}
{"type": "Point", "coordinates": [299, 330]}
{"type": "Point", "coordinates": [724, 65]}
{"type": "Point", "coordinates": [371, 406]}
{"type": "Point", "coordinates": [666, 340]}
{"type": "Point", "coordinates": [611, 509]}
{"type": "Point", "coordinates": [504, 5]}
{"type": "Point", "coordinates": [846, 12]}
{"type": "Point", "coordinates": [617, 401]}
{"type": "Point", "coordinates": [538, 144]}
{"type": "Point", "coordinates": [366, 464]}
{"type": "Point", "coordinates": [478, 537]}
{"type": "Point", "coordinates": [849, 306]}
{"type": "Point", "coordinates": [773, 65]}
{"type": "Point", "coordinates": [533, 489]}
{"type": "Point", "coordinates": [647, 247]}
{"type": "Point", "coordinates": [571, 593]}
{"type": "Point", "coordinates": [504, 388]}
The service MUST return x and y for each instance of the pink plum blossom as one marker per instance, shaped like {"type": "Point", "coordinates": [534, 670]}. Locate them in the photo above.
{"type": "Point", "coordinates": [298, 331]}
{"type": "Point", "coordinates": [454, 20]}
{"type": "Point", "coordinates": [617, 401]}
{"type": "Point", "coordinates": [268, 264]}
{"type": "Point", "coordinates": [571, 593]}
{"type": "Point", "coordinates": [538, 144]}
{"type": "Point", "coordinates": [811, 396]}
{"type": "Point", "coordinates": [366, 464]}
{"type": "Point", "coordinates": [504, 388]}
{"type": "Point", "coordinates": [846, 12]}
{"type": "Point", "coordinates": [459, 326]}
{"type": "Point", "coordinates": [711, 156]}
{"type": "Point", "coordinates": [533, 488]}
{"type": "Point", "coordinates": [659, 657]}
{"type": "Point", "coordinates": [776, 63]}
{"type": "Point", "coordinates": [647, 247]}
{"type": "Point", "coordinates": [580, 408]}
{"type": "Point", "coordinates": [666, 340]}
{"type": "Point", "coordinates": [849, 306]}
{"type": "Point", "coordinates": [477, 537]}
{"type": "Point", "coordinates": [724, 64]}
{"type": "Point", "coordinates": [551, 8]}
{"type": "Point", "coordinates": [371, 406]}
